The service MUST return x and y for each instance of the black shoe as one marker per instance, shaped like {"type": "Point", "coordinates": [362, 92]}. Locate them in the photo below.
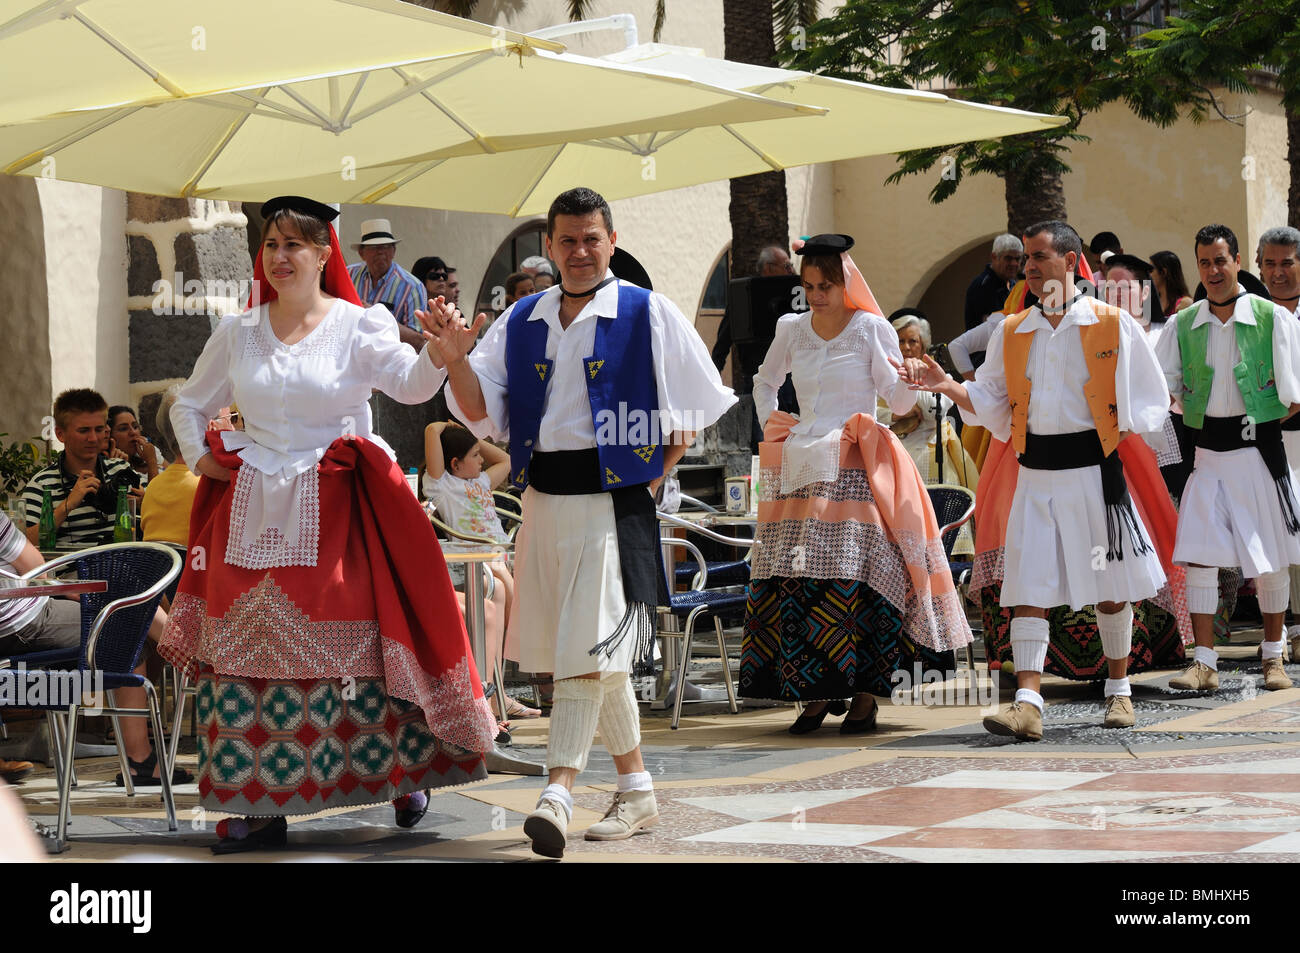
{"type": "Point", "coordinates": [863, 725]}
{"type": "Point", "coordinates": [274, 834]}
{"type": "Point", "coordinates": [806, 724]}
{"type": "Point", "coordinates": [142, 773]}
{"type": "Point", "coordinates": [409, 816]}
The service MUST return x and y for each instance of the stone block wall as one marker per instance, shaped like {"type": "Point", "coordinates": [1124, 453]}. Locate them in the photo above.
{"type": "Point", "coordinates": [187, 265]}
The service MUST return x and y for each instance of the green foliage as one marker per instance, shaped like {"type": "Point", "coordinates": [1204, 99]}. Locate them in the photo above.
{"type": "Point", "coordinates": [1208, 44]}
{"type": "Point", "coordinates": [1065, 57]}
{"type": "Point", "coordinates": [18, 461]}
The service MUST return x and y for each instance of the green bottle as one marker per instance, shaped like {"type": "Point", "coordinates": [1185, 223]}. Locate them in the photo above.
{"type": "Point", "coordinates": [123, 531]}
{"type": "Point", "coordinates": [48, 533]}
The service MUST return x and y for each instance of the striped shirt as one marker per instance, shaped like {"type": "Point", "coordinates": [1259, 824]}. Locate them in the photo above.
{"type": "Point", "coordinates": [15, 614]}
{"type": "Point", "coordinates": [400, 290]}
{"type": "Point", "coordinates": [86, 524]}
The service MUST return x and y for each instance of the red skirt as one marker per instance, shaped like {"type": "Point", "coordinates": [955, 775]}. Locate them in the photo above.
{"type": "Point", "coordinates": [371, 635]}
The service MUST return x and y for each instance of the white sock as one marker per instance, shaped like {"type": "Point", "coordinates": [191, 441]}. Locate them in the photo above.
{"type": "Point", "coordinates": [1202, 590]}
{"type": "Point", "coordinates": [1030, 696]}
{"type": "Point", "coordinates": [1029, 644]}
{"type": "Point", "coordinates": [1293, 633]}
{"type": "Point", "coordinates": [1207, 657]}
{"type": "Point", "coordinates": [1273, 591]}
{"type": "Point", "coordinates": [1118, 686]}
{"type": "Point", "coordinates": [1272, 649]}
{"type": "Point", "coordinates": [636, 781]}
{"type": "Point", "coordinates": [573, 722]}
{"type": "Point", "coordinates": [619, 721]}
{"type": "Point", "coordinates": [1116, 631]}
{"type": "Point", "coordinates": [560, 795]}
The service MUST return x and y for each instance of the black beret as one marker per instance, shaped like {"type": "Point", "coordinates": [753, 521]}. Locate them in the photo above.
{"type": "Point", "coordinates": [827, 244]}
{"type": "Point", "coordinates": [299, 204]}
{"type": "Point", "coordinates": [624, 266]}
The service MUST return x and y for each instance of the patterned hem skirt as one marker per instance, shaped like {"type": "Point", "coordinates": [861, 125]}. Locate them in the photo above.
{"type": "Point", "coordinates": [1074, 651]}
{"type": "Point", "coordinates": [273, 747]}
{"type": "Point", "coordinates": [814, 639]}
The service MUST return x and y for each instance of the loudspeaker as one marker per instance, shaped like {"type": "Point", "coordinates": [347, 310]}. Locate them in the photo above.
{"type": "Point", "coordinates": [755, 304]}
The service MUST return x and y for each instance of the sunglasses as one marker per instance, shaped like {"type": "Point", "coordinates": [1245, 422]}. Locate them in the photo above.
{"type": "Point", "coordinates": [436, 276]}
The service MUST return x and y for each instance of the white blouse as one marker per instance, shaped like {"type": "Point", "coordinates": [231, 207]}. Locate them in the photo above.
{"type": "Point", "coordinates": [833, 380]}
{"type": "Point", "coordinates": [691, 394]}
{"type": "Point", "coordinates": [1057, 371]}
{"type": "Point", "coordinates": [295, 400]}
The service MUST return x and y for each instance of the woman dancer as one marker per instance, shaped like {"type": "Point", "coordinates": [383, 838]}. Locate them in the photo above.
{"type": "Point", "coordinates": [315, 610]}
{"type": "Point", "coordinates": [849, 580]}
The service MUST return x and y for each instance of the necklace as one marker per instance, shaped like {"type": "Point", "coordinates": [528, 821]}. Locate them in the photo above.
{"type": "Point", "coordinates": [1224, 304]}
{"type": "Point", "coordinates": [565, 292]}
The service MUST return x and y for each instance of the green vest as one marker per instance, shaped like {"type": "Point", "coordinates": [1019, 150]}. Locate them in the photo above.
{"type": "Point", "coordinates": [1254, 374]}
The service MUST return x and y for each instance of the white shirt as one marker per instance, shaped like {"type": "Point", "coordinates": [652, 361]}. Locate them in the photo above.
{"type": "Point", "coordinates": [466, 506]}
{"type": "Point", "coordinates": [691, 394]}
{"type": "Point", "coordinates": [833, 379]}
{"type": "Point", "coordinates": [296, 399]}
{"type": "Point", "coordinates": [976, 339]}
{"type": "Point", "coordinates": [1222, 354]}
{"type": "Point", "coordinates": [1057, 373]}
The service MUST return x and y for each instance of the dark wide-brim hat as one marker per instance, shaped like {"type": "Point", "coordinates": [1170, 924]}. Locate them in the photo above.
{"type": "Point", "coordinates": [627, 268]}
{"type": "Point", "coordinates": [828, 243]}
{"type": "Point", "coordinates": [300, 204]}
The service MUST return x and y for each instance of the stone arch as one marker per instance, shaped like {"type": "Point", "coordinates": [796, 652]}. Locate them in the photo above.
{"type": "Point", "coordinates": [941, 290]}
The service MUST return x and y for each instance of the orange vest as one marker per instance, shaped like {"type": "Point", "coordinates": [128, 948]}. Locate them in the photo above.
{"type": "Point", "coordinates": [1100, 355]}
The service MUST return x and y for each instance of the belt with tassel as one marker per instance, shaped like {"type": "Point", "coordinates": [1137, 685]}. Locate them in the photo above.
{"type": "Point", "coordinates": [1223, 434]}
{"type": "Point", "coordinates": [1073, 451]}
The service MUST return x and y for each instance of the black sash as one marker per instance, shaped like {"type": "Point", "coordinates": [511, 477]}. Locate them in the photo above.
{"type": "Point", "coordinates": [640, 558]}
{"type": "Point", "coordinates": [1073, 451]}
{"type": "Point", "coordinates": [1223, 434]}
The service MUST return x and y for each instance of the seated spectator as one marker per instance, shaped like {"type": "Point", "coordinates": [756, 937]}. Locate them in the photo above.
{"type": "Point", "coordinates": [82, 481]}
{"type": "Point", "coordinates": [126, 441]}
{"type": "Point", "coordinates": [917, 428]}
{"type": "Point", "coordinates": [518, 285]}
{"type": "Point", "coordinates": [544, 278]}
{"type": "Point", "coordinates": [460, 488]}
{"type": "Point", "coordinates": [165, 510]}
{"type": "Point", "coordinates": [43, 623]}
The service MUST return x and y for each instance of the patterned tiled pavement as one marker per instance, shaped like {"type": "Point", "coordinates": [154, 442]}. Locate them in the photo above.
{"type": "Point", "coordinates": [1199, 778]}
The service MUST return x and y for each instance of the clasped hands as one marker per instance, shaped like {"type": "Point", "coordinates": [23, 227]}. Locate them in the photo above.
{"type": "Point", "coordinates": [921, 373]}
{"type": "Point", "coordinates": [449, 335]}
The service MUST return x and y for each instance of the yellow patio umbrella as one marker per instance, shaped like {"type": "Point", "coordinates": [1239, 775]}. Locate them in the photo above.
{"type": "Point", "coordinates": [57, 55]}
{"type": "Point", "coordinates": [311, 135]}
{"type": "Point", "coordinates": [863, 120]}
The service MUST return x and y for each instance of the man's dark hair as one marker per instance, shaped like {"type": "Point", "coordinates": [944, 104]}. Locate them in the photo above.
{"type": "Point", "coordinates": [579, 201]}
{"type": "Point", "coordinates": [1212, 233]}
{"type": "Point", "coordinates": [1105, 242]}
{"type": "Point", "coordinates": [457, 442]}
{"type": "Point", "coordinates": [1064, 238]}
{"type": "Point", "coordinates": [80, 400]}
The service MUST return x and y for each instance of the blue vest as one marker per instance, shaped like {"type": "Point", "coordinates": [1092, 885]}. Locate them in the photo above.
{"type": "Point", "coordinates": [620, 386]}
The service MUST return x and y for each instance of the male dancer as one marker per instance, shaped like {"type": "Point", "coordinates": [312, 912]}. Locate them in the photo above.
{"type": "Point", "coordinates": [1065, 381]}
{"type": "Point", "coordinates": [582, 378]}
{"type": "Point", "coordinates": [1232, 361]}
{"type": "Point", "coordinates": [1279, 265]}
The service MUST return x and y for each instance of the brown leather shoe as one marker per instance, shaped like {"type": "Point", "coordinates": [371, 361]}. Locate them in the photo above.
{"type": "Point", "coordinates": [1119, 712]}
{"type": "Point", "coordinates": [1022, 720]}
{"type": "Point", "coordinates": [1275, 676]}
{"type": "Point", "coordinates": [1198, 677]}
{"type": "Point", "coordinates": [15, 771]}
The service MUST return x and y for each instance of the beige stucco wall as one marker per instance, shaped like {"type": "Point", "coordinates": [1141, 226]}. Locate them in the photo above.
{"type": "Point", "coordinates": [85, 246]}
{"type": "Point", "coordinates": [24, 325]}
{"type": "Point", "coordinates": [1269, 172]}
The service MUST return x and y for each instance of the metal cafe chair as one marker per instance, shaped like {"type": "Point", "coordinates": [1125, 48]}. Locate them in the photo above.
{"type": "Point", "coordinates": [700, 600]}
{"type": "Point", "coordinates": [954, 506]}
